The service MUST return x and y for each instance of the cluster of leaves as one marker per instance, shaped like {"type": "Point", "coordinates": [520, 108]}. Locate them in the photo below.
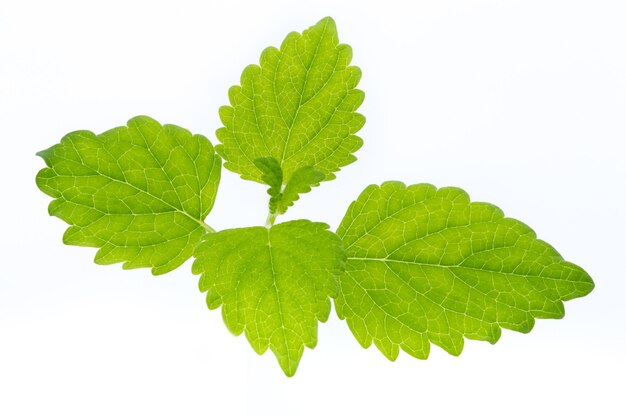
{"type": "Point", "coordinates": [407, 267]}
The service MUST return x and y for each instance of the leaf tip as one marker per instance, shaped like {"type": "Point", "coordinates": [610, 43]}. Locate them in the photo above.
{"type": "Point", "coordinates": [327, 22]}
{"type": "Point", "coordinates": [288, 364]}
{"type": "Point", "coordinates": [42, 153]}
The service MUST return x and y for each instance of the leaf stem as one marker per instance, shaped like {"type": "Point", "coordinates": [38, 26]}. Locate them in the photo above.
{"type": "Point", "coordinates": [206, 227]}
{"type": "Point", "coordinates": [271, 218]}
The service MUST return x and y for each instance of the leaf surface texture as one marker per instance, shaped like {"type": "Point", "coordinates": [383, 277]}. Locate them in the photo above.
{"type": "Point", "coordinates": [425, 265]}
{"type": "Point", "coordinates": [272, 283]}
{"type": "Point", "coordinates": [138, 192]}
{"type": "Point", "coordinates": [298, 106]}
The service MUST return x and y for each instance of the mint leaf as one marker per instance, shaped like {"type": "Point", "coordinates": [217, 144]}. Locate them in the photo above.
{"type": "Point", "coordinates": [297, 107]}
{"type": "Point", "coordinates": [140, 192]}
{"type": "Point", "coordinates": [426, 265]}
{"type": "Point", "coordinates": [301, 182]}
{"type": "Point", "coordinates": [273, 284]}
{"type": "Point", "coordinates": [272, 175]}
{"type": "Point", "coordinates": [281, 199]}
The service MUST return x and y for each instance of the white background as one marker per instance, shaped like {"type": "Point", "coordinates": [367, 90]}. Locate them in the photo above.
{"type": "Point", "coordinates": [522, 103]}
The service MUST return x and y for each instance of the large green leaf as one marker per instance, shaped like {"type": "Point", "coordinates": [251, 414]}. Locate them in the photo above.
{"type": "Point", "coordinates": [273, 283]}
{"type": "Point", "coordinates": [139, 192]}
{"type": "Point", "coordinates": [297, 107]}
{"type": "Point", "coordinates": [426, 265]}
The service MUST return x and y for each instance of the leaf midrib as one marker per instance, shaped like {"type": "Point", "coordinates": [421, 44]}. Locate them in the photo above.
{"type": "Point", "coordinates": [278, 303]}
{"type": "Point", "coordinates": [459, 266]}
{"type": "Point", "coordinates": [306, 79]}
{"type": "Point", "coordinates": [115, 180]}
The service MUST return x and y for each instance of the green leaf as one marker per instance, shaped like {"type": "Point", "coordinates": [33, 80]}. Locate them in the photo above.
{"type": "Point", "coordinates": [272, 176]}
{"type": "Point", "coordinates": [298, 107]}
{"type": "Point", "coordinates": [301, 182]}
{"type": "Point", "coordinates": [426, 265]}
{"type": "Point", "coordinates": [272, 283]}
{"type": "Point", "coordinates": [140, 192]}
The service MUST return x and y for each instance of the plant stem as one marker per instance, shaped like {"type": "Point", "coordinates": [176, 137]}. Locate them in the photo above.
{"type": "Point", "coordinates": [206, 227]}
{"type": "Point", "coordinates": [271, 218]}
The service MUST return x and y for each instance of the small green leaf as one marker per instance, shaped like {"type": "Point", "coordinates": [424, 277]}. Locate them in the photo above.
{"type": "Point", "coordinates": [426, 265]}
{"type": "Point", "coordinates": [273, 283]}
{"type": "Point", "coordinates": [299, 107]}
{"type": "Point", "coordinates": [272, 176]}
{"type": "Point", "coordinates": [139, 192]}
{"type": "Point", "coordinates": [301, 182]}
